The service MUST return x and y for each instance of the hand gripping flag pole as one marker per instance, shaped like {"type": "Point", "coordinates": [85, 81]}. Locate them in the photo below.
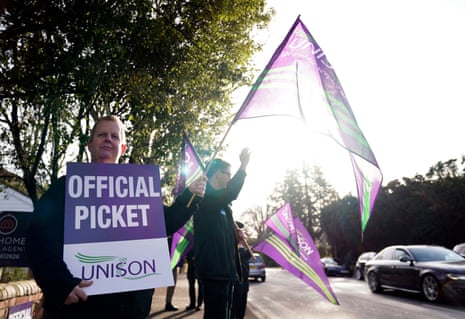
{"type": "Point", "coordinates": [209, 162]}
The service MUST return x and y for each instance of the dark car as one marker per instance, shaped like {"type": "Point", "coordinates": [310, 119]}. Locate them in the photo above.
{"type": "Point", "coordinates": [460, 249]}
{"type": "Point", "coordinates": [433, 271]}
{"type": "Point", "coordinates": [333, 268]}
{"type": "Point", "coordinates": [257, 269]}
{"type": "Point", "coordinates": [359, 270]}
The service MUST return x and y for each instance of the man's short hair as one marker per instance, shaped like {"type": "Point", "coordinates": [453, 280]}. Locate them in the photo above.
{"type": "Point", "coordinates": [217, 165]}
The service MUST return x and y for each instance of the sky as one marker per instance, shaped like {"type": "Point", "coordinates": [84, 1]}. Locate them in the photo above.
{"type": "Point", "coordinates": [401, 64]}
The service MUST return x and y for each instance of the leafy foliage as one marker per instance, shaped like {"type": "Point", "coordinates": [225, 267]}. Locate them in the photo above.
{"type": "Point", "coordinates": [162, 66]}
{"type": "Point", "coordinates": [419, 210]}
{"type": "Point", "coordinates": [306, 190]}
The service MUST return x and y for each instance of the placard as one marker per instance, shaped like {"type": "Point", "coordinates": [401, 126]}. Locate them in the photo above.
{"type": "Point", "coordinates": [115, 231]}
{"type": "Point", "coordinates": [21, 311]}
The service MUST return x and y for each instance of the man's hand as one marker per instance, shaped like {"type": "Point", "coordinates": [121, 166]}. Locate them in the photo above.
{"type": "Point", "coordinates": [240, 236]}
{"type": "Point", "coordinates": [78, 294]}
{"type": "Point", "coordinates": [198, 186]}
{"type": "Point", "coordinates": [245, 158]}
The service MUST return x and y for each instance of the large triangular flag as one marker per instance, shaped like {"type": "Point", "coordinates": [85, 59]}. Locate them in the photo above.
{"type": "Point", "coordinates": [299, 82]}
{"type": "Point", "coordinates": [305, 265]}
{"type": "Point", "coordinates": [190, 167]}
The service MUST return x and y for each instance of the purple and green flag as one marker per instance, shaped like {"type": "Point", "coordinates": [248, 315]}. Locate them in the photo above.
{"type": "Point", "coordinates": [182, 243]}
{"type": "Point", "coordinates": [300, 82]}
{"type": "Point", "coordinates": [282, 223]}
{"type": "Point", "coordinates": [190, 167]}
{"type": "Point", "coordinates": [304, 263]}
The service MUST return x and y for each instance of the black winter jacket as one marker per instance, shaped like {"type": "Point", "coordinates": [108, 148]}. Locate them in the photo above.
{"type": "Point", "coordinates": [44, 247]}
{"type": "Point", "coordinates": [215, 244]}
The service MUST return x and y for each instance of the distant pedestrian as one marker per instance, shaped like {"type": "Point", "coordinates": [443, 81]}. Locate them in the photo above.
{"type": "Point", "coordinates": [195, 303]}
{"type": "Point", "coordinates": [241, 286]}
{"type": "Point", "coordinates": [170, 289]}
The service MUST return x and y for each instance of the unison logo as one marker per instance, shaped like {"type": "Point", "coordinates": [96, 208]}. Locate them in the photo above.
{"type": "Point", "coordinates": [106, 267]}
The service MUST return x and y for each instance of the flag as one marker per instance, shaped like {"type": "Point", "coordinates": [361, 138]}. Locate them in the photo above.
{"type": "Point", "coordinates": [300, 82]}
{"type": "Point", "coordinates": [182, 242]}
{"type": "Point", "coordinates": [190, 167]}
{"type": "Point", "coordinates": [305, 265]}
{"type": "Point", "coordinates": [282, 223]}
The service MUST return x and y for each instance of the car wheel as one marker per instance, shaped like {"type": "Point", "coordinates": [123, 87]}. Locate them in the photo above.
{"type": "Point", "coordinates": [358, 274]}
{"type": "Point", "coordinates": [430, 287]}
{"type": "Point", "coordinates": [373, 283]}
{"type": "Point", "coordinates": [263, 279]}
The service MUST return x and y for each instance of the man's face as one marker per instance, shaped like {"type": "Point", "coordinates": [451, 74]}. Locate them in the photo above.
{"type": "Point", "coordinates": [223, 177]}
{"type": "Point", "coordinates": [106, 145]}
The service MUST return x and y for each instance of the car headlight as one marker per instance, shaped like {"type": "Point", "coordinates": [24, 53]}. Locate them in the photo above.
{"type": "Point", "coordinates": [456, 276]}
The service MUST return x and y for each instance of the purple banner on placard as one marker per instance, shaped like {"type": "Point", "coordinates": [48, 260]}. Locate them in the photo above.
{"type": "Point", "coordinates": [23, 311]}
{"type": "Point", "coordinates": [112, 202]}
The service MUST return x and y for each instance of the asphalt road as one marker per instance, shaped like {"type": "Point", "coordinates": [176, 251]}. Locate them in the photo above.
{"type": "Point", "coordinates": [285, 296]}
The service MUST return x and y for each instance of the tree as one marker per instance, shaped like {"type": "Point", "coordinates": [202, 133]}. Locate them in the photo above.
{"type": "Point", "coordinates": [340, 221]}
{"type": "Point", "coordinates": [418, 210]}
{"type": "Point", "coordinates": [255, 219]}
{"type": "Point", "coordinates": [162, 66]}
{"type": "Point", "coordinates": [308, 192]}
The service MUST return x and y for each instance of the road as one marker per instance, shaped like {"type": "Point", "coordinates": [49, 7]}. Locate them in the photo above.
{"type": "Point", "coordinates": [285, 296]}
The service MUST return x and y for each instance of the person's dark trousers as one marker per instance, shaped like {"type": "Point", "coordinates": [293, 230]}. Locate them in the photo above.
{"type": "Point", "coordinates": [217, 298]}
{"type": "Point", "coordinates": [192, 293]}
{"type": "Point", "coordinates": [200, 294]}
{"type": "Point", "coordinates": [239, 303]}
{"type": "Point", "coordinates": [191, 281]}
{"type": "Point", "coordinates": [192, 277]}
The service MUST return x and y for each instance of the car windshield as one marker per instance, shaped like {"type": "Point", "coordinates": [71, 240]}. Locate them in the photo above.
{"type": "Point", "coordinates": [366, 256]}
{"type": "Point", "coordinates": [434, 254]}
{"type": "Point", "coordinates": [258, 259]}
{"type": "Point", "coordinates": [328, 260]}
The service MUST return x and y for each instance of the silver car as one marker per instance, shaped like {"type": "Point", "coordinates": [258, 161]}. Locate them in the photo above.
{"type": "Point", "coordinates": [257, 268]}
{"type": "Point", "coordinates": [359, 271]}
{"type": "Point", "coordinates": [460, 249]}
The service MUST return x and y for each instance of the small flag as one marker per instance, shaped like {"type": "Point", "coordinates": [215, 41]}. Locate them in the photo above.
{"type": "Point", "coordinates": [305, 265]}
{"type": "Point", "coordinates": [182, 243]}
{"type": "Point", "coordinates": [190, 167]}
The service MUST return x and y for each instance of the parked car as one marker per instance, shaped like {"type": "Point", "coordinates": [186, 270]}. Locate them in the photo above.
{"type": "Point", "coordinates": [460, 249]}
{"type": "Point", "coordinates": [257, 268]}
{"type": "Point", "coordinates": [433, 271]}
{"type": "Point", "coordinates": [333, 268]}
{"type": "Point", "coordinates": [360, 264]}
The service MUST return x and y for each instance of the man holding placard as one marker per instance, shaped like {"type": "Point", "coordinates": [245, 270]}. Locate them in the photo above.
{"type": "Point", "coordinates": [97, 242]}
